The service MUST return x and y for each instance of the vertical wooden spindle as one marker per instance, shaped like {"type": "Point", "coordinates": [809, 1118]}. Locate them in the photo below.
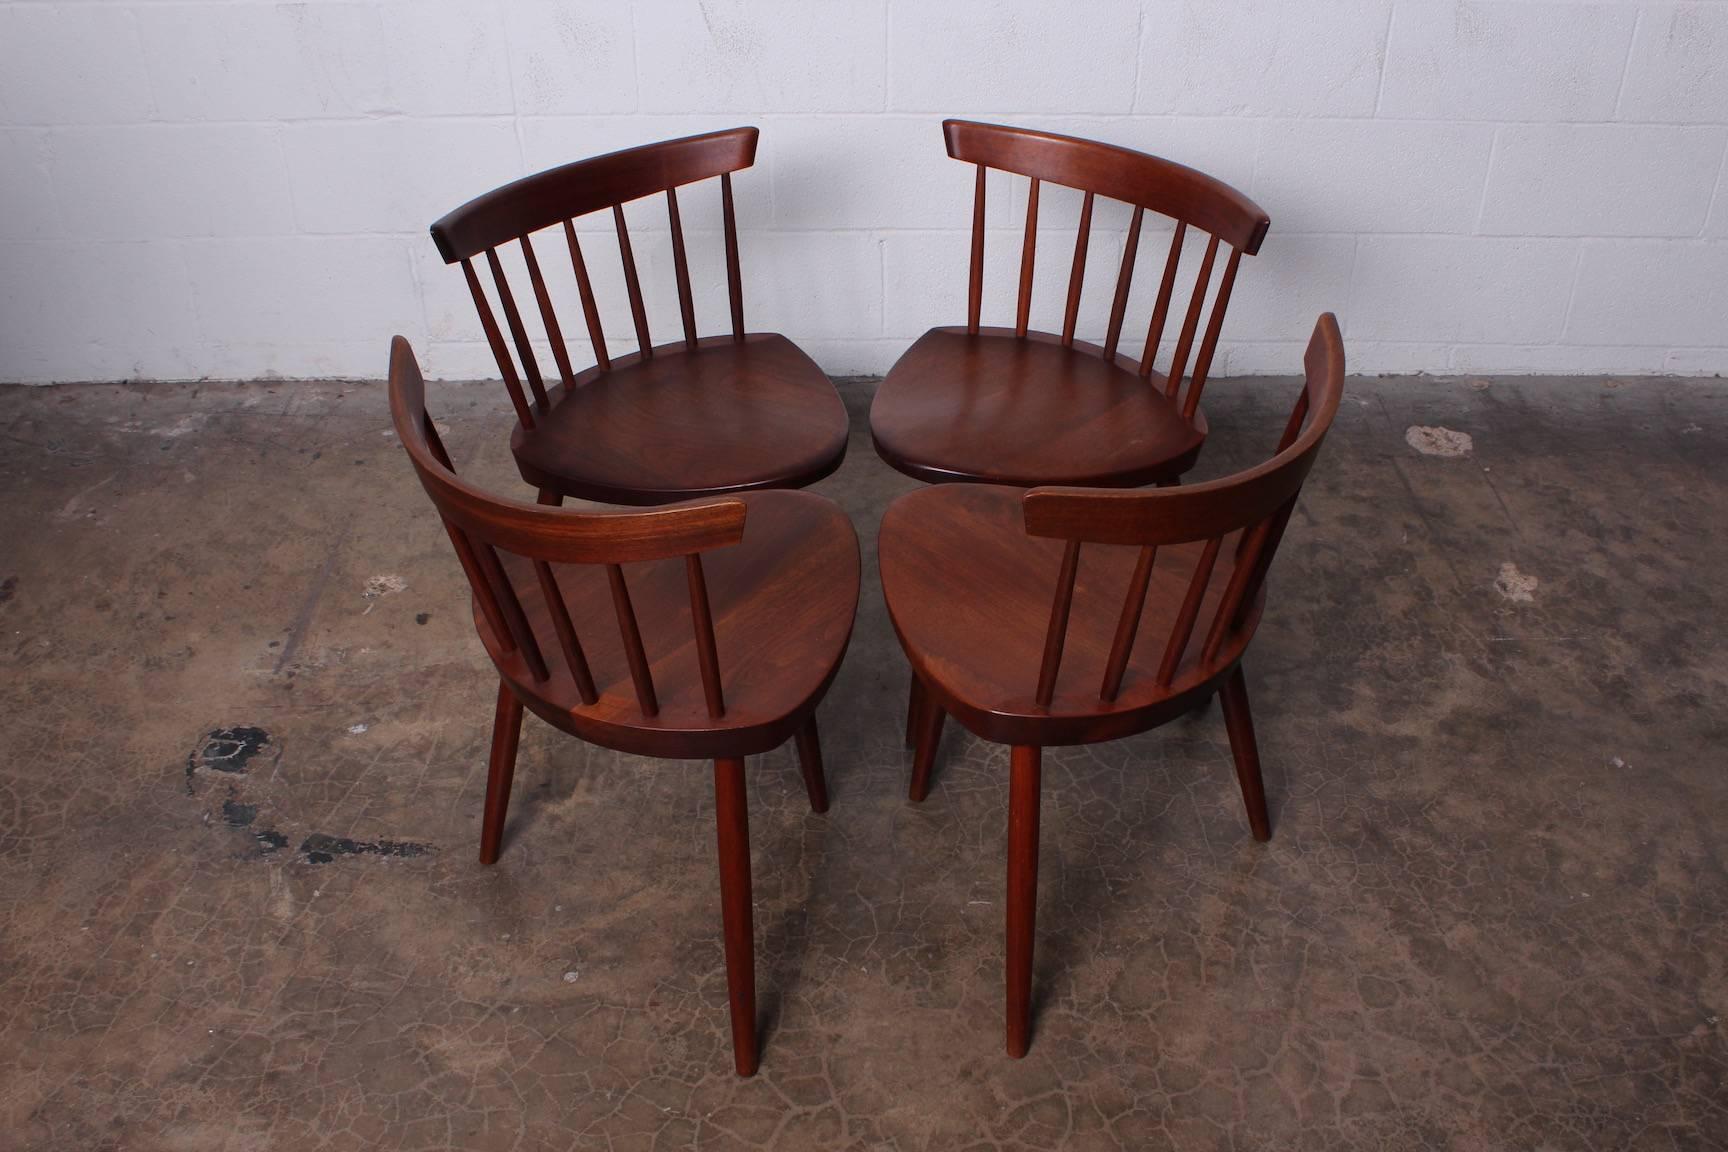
{"type": "Point", "coordinates": [585, 287]}
{"type": "Point", "coordinates": [1183, 629]}
{"type": "Point", "coordinates": [511, 607]}
{"type": "Point", "coordinates": [1057, 633]}
{"type": "Point", "coordinates": [495, 340]}
{"type": "Point", "coordinates": [1028, 255]}
{"type": "Point", "coordinates": [574, 658]}
{"type": "Point", "coordinates": [681, 268]}
{"type": "Point", "coordinates": [1161, 309]}
{"type": "Point", "coordinates": [1209, 345]}
{"type": "Point", "coordinates": [548, 317]}
{"type": "Point", "coordinates": [1128, 624]}
{"type": "Point", "coordinates": [975, 284]}
{"type": "Point", "coordinates": [1078, 274]}
{"type": "Point", "coordinates": [637, 312]}
{"type": "Point", "coordinates": [1119, 307]}
{"type": "Point", "coordinates": [634, 655]}
{"type": "Point", "coordinates": [518, 332]}
{"type": "Point", "coordinates": [707, 656]}
{"type": "Point", "coordinates": [734, 279]}
{"type": "Point", "coordinates": [1179, 361]}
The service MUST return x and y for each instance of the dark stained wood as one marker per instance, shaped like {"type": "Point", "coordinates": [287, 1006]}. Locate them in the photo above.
{"type": "Point", "coordinates": [914, 706]}
{"type": "Point", "coordinates": [700, 631]}
{"type": "Point", "coordinates": [732, 827]}
{"type": "Point", "coordinates": [947, 412]}
{"type": "Point", "coordinates": [1033, 412]}
{"type": "Point", "coordinates": [732, 413]}
{"type": "Point", "coordinates": [810, 764]}
{"type": "Point", "coordinates": [1021, 918]}
{"type": "Point", "coordinates": [500, 771]}
{"type": "Point", "coordinates": [681, 267]}
{"type": "Point", "coordinates": [734, 277]}
{"type": "Point", "coordinates": [1240, 724]}
{"type": "Point", "coordinates": [981, 585]}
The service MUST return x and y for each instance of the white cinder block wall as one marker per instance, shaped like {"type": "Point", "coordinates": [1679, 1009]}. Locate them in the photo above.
{"type": "Point", "coordinates": [242, 188]}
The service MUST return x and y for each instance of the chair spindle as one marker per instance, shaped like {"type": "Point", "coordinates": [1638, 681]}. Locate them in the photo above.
{"type": "Point", "coordinates": [707, 656]}
{"type": "Point", "coordinates": [1190, 323]}
{"type": "Point", "coordinates": [1028, 256]}
{"type": "Point", "coordinates": [574, 658]}
{"type": "Point", "coordinates": [560, 354]}
{"type": "Point", "coordinates": [585, 287]}
{"type": "Point", "coordinates": [634, 655]}
{"type": "Point", "coordinates": [975, 285]}
{"type": "Point", "coordinates": [1057, 634]}
{"type": "Point", "coordinates": [632, 284]}
{"type": "Point", "coordinates": [518, 331]}
{"type": "Point", "coordinates": [495, 340]}
{"type": "Point", "coordinates": [1183, 630]}
{"type": "Point", "coordinates": [1128, 624]}
{"type": "Point", "coordinates": [681, 268]}
{"type": "Point", "coordinates": [1125, 277]}
{"type": "Point", "coordinates": [734, 278]}
{"type": "Point", "coordinates": [1208, 346]}
{"type": "Point", "coordinates": [1077, 276]}
{"type": "Point", "coordinates": [1161, 309]}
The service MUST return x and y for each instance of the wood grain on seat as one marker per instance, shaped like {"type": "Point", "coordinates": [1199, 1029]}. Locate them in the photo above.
{"type": "Point", "coordinates": [726, 416]}
{"type": "Point", "coordinates": [962, 405]}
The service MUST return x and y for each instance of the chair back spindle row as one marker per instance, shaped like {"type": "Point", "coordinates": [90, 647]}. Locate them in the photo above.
{"type": "Point", "coordinates": [1145, 182]}
{"type": "Point", "coordinates": [561, 196]}
{"type": "Point", "coordinates": [480, 526]}
{"type": "Point", "coordinates": [1254, 506]}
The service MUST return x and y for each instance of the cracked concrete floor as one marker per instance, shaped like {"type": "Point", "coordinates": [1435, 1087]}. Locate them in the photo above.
{"type": "Point", "coordinates": [243, 722]}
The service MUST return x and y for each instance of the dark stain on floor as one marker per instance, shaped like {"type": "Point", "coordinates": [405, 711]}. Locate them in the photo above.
{"type": "Point", "coordinates": [1493, 913]}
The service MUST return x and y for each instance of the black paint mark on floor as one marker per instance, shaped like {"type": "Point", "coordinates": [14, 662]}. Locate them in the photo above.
{"type": "Point", "coordinates": [226, 750]}
{"type": "Point", "coordinates": [238, 815]}
{"type": "Point", "coordinates": [10, 585]}
{"type": "Point", "coordinates": [321, 849]}
{"type": "Point", "coordinates": [419, 617]}
{"type": "Point", "coordinates": [270, 840]}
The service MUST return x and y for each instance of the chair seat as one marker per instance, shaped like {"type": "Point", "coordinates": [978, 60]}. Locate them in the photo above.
{"type": "Point", "coordinates": [999, 409]}
{"type": "Point", "coordinates": [728, 416]}
{"type": "Point", "coordinates": [970, 592]}
{"type": "Point", "coordinates": [782, 599]}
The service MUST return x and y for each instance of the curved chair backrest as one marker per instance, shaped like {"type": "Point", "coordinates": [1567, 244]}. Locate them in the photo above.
{"type": "Point", "coordinates": [560, 195]}
{"type": "Point", "coordinates": [1256, 503]}
{"type": "Point", "coordinates": [1149, 183]}
{"type": "Point", "coordinates": [481, 525]}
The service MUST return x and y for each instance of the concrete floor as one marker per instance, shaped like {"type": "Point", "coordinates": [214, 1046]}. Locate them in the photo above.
{"type": "Point", "coordinates": [1493, 915]}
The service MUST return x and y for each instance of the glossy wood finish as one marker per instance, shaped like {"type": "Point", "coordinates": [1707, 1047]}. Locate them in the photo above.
{"type": "Point", "coordinates": [1022, 407]}
{"type": "Point", "coordinates": [1076, 615]}
{"type": "Point", "coordinates": [694, 417]}
{"type": "Point", "coordinates": [706, 631]}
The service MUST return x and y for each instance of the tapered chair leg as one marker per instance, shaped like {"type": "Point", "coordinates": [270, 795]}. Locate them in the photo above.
{"type": "Point", "coordinates": [732, 821]}
{"type": "Point", "coordinates": [930, 717]}
{"type": "Point", "coordinates": [500, 771]}
{"type": "Point", "coordinates": [810, 762]}
{"type": "Point", "coordinates": [1240, 724]}
{"type": "Point", "coordinates": [1023, 793]}
{"type": "Point", "coordinates": [915, 698]}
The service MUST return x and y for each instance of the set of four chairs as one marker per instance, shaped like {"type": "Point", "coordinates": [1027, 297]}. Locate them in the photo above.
{"type": "Point", "coordinates": [1055, 585]}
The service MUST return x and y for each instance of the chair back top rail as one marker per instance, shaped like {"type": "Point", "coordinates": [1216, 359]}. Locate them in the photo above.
{"type": "Point", "coordinates": [584, 186]}
{"type": "Point", "coordinates": [1116, 173]}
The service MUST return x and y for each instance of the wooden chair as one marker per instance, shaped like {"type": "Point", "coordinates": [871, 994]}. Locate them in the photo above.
{"type": "Point", "coordinates": [695, 417]}
{"type": "Point", "coordinates": [764, 585]}
{"type": "Point", "coordinates": [967, 572]}
{"type": "Point", "coordinates": [1015, 406]}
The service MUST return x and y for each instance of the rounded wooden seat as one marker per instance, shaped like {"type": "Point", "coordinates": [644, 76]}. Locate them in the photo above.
{"type": "Point", "coordinates": [1000, 409]}
{"type": "Point", "coordinates": [969, 593]}
{"type": "Point", "coordinates": [782, 601]}
{"type": "Point", "coordinates": [727, 416]}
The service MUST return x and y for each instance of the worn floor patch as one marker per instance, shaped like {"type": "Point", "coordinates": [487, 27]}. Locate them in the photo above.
{"type": "Point", "coordinates": [1437, 441]}
{"type": "Point", "coordinates": [321, 849]}
{"type": "Point", "coordinates": [1515, 585]}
